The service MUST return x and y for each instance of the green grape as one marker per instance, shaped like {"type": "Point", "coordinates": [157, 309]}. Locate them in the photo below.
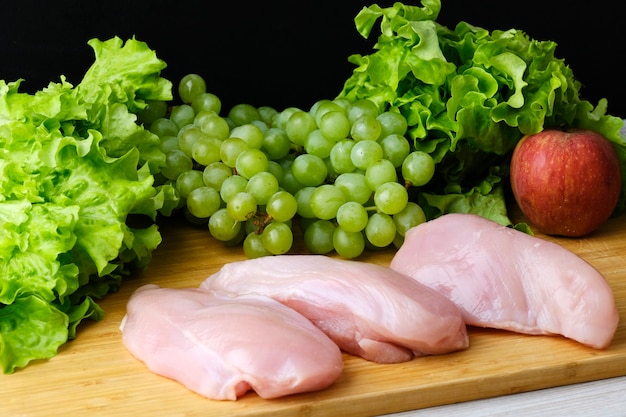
{"type": "Point", "coordinates": [360, 108]}
{"type": "Point", "coordinates": [392, 123]}
{"type": "Point", "coordinates": [206, 102]}
{"type": "Point", "coordinates": [231, 149]}
{"type": "Point", "coordinates": [366, 127]}
{"type": "Point", "coordinates": [340, 156]}
{"type": "Point", "coordinates": [276, 170]}
{"type": "Point", "coordinates": [309, 170]}
{"type": "Point", "coordinates": [206, 150]}
{"type": "Point", "coordinates": [289, 182]}
{"type": "Point", "coordinates": [277, 238]}
{"type": "Point", "coordinates": [380, 230]}
{"type": "Point", "coordinates": [418, 168]}
{"type": "Point", "coordinates": [188, 126]}
{"type": "Point", "coordinates": [380, 172]}
{"type": "Point", "coordinates": [241, 206]}
{"type": "Point", "coordinates": [237, 239]}
{"type": "Point", "coordinates": [243, 113]}
{"type": "Point", "coordinates": [334, 125]}
{"type": "Point", "coordinates": [223, 227]}
{"type": "Point", "coordinates": [201, 116]}
{"type": "Point", "coordinates": [317, 144]}
{"type": "Point", "coordinates": [253, 246]}
{"type": "Point", "coordinates": [169, 143]}
{"type": "Point", "coordinates": [176, 162]}
{"type": "Point", "coordinates": [267, 114]}
{"type": "Point", "coordinates": [305, 222]}
{"type": "Point", "coordinates": [203, 201]}
{"type": "Point", "coordinates": [398, 241]}
{"type": "Point", "coordinates": [262, 186]}
{"type": "Point", "coordinates": [320, 108]}
{"type": "Point", "coordinates": [303, 198]}
{"type": "Point", "coordinates": [325, 201]}
{"type": "Point", "coordinates": [354, 187]}
{"type": "Point", "coordinates": [412, 215]}
{"type": "Point", "coordinates": [215, 173]}
{"type": "Point", "coordinates": [212, 124]}
{"type": "Point", "coordinates": [316, 105]}
{"type": "Point", "coordinates": [251, 161]}
{"type": "Point", "coordinates": [286, 162]}
{"type": "Point", "coordinates": [251, 225]}
{"type": "Point", "coordinates": [395, 148]}
{"type": "Point", "coordinates": [299, 125]}
{"type": "Point", "coordinates": [163, 127]}
{"type": "Point", "coordinates": [155, 109]}
{"type": "Point", "coordinates": [250, 133]}
{"type": "Point", "coordinates": [196, 221]}
{"type": "Point", "coordinates": [343, 102]}
{"type": "Point", "coordinates": [187, 136]}
{"type": "Point", "coordinates": [330, 169]}
{"type": "Point", "coordinates": [318, 237]}
{"type": "Point", "coordinates": [352, 216]}
{"type": "Point", "coordinates": [276, 143]}
{"type": "Point", "coordinates": [348, 244]}
{"type": "Point", "coordinates": [191, 86]}
{"type": "Point", "coordinates": [231, 186]}
{"type": "Point", "coordinates": [391, 197]}
{"type": "Point", "coordinates": [280, 119]}
{"type": "Point", "coordinates": [182, 115]}
{"type": "Point", "coordinates": [365, 153]}
{"type": "Point", "coordinates": [188, 181]}
{"type": "Point", "coordinates": [282, 206]}
{"type": "Point", "coordinates": [261, 125]}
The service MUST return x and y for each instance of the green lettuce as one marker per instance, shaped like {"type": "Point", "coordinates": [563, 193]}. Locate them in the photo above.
{"type": "Point", "coordinates": [469, 95]}
{"type": "Point", "coordinates": [75, 166]}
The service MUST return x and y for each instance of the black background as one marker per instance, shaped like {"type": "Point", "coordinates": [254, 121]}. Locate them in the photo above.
{"type": "Point", "coordinates": [287, 53]}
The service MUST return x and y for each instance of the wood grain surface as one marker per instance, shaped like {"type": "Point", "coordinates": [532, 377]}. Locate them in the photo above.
{"type": "Point", "coordinates": [95, 375]}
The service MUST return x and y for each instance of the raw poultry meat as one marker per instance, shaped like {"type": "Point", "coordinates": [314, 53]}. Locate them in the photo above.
{"type": "Point", "coordinates": [222, 346]}
{"type": "Point", "coordinates": [367, 309]}
{"type": "Point", "coordinates": [506, 279]}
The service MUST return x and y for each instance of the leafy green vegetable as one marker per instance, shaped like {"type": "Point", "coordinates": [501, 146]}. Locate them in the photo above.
{"type": "Point", "coordinates": [469, 96]}
{"type": "Point", "coordinates": [74, 165]}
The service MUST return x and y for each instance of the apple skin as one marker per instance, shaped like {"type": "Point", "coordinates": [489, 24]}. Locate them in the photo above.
{"type": "Point", "coordinates": [566, 182]}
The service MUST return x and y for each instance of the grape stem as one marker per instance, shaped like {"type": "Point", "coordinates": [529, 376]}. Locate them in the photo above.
{"type": "Point", "coordinates": [261, 220]}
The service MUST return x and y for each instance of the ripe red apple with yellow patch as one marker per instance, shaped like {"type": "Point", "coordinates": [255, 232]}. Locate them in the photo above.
{"type": "Point", "coordinates": [567, 183]}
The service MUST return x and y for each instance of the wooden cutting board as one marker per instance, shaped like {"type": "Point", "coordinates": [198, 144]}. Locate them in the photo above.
{"type": "Point", "coordinates": [95, 375]}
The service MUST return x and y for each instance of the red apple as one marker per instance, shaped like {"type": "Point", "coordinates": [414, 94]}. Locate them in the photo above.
{"type": "Point", "coordinates": [567, 183]}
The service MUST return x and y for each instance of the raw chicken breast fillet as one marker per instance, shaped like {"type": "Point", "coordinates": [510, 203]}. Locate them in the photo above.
{"type": "Point", "coordinates": [222, 346]}
{"type": "Point", "coordinates": [506, 279]}
{"type": "Point", "coordinates": [368, 310]}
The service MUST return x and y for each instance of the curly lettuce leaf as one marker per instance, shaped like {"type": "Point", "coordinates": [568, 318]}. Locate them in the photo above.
{"type": "Point", "coordinates": [75, 166]}
{"type": "Point", "coordinates": [469, 95]}
{"type": "Point", "coordinates": [31, 243]}
{"type": "Point", "coordinates": [30, 328]}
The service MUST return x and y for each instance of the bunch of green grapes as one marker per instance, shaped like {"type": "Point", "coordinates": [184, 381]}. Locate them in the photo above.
{"type": "Point", "coordinates": [340, 169]}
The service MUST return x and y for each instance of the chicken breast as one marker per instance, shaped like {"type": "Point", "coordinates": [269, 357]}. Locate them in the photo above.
{"type": "Point", "coordinates": [223, 346]}
{"type": "Point", "coordinates": [506, 279]}
{"type": "Point", "coordinates": [368, 310]}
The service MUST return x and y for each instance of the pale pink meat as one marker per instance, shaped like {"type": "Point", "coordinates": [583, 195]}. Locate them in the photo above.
{"type": "Point", "coordinates": [368, 310]}
{"type": "Point", "coordinates": [222, 346]}
{"type": "Point", "coordinates": [506, 279]}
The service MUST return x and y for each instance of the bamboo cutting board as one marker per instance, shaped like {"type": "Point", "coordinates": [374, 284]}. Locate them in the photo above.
{"type": "Point", "coordinates": [95, 375]}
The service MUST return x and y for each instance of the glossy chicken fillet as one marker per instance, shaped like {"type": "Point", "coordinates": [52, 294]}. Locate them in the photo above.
{"type": "Point", "coordinates": [368, 310]}
{"type": "Point", "coordinates": [506, 279]}
{"type": "Point", "coordinates": [221, 346]}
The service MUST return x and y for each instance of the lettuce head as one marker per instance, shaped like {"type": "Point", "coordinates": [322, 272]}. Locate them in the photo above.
{"type": "Point", "coordinates": [74, 167]}
{"type": "Point", "coordinates": [469, 95]}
